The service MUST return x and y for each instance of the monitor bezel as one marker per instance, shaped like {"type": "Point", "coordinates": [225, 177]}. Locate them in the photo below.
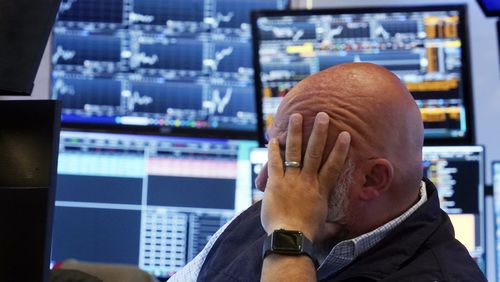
{"type": "Point", "coordinates": [467, 139]}
{"type": "Point", "coordinates": [161, 131]}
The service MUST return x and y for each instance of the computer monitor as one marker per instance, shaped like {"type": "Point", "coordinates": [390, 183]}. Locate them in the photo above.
{"type": "Point", "coordinates": [161, 67]}
{"type": "Point", "coordinates": [491, 8]}
{"type": "Point", "coordinates": [24, 30]}
{"type": "Point", "coordinates": [149, 201]}
{"type": "Point", "coordinates": [426, 47]}
{"type": "Point", "coordinates": [496, 203]}
{"type": "Point", "coordinates": [458, 173]}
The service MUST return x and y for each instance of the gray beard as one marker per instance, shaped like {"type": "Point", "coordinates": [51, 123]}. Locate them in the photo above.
{"type": "Point", "coordinates": [337, 208]}
{"type": "Point", "coordinates": [338, 203]}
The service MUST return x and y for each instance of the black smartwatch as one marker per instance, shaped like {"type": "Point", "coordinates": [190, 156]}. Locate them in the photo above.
{"type": "Point", "coordinates": [288, 242]}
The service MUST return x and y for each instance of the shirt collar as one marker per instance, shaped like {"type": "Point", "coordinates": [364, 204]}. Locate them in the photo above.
{"type": "Point", "coordinates": [346, 251]}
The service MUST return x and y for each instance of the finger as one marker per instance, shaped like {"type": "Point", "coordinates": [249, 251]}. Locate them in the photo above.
{"type": "Point", "coordinates": [261, 179]}
{"type": "Point", "coordinates": [293, 151]}
{"type": "Point", "coordinates": [333, 166]}
{"type": "Point", "coordinates": [274, 163]}
{"type": "Point", "coordinates": [316, 144]}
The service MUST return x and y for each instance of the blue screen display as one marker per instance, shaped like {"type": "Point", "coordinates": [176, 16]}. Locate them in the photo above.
{"type": "Point", "coordinates": [154, 64]}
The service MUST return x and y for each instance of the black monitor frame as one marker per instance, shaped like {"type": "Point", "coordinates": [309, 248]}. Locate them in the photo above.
{"type": "Point", "coordinates": [468, 139]}
{"type": "Point", "coordinates": [159, 130]}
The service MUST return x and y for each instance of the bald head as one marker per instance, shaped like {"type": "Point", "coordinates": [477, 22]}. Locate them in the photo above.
{"type": "Point", "coordinates": [369, 102]}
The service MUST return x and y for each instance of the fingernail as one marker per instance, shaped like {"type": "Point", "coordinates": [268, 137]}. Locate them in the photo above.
{"type": "Point", "coordinates": [295, 117]}
{"type": "Point", "coordinates": [344, 137]}
{"type": "Point", "coordinates": [322, 118]}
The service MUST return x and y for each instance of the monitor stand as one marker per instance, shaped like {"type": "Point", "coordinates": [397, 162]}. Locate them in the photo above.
{"type": "Point", "coordinates": [29, 140]}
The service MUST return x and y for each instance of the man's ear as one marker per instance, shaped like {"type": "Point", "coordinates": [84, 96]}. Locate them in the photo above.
{"type": "Point", "coordinates": [378, 174]}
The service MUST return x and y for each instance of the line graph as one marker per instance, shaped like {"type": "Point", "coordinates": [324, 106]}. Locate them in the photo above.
{"type": "Point", "coordinates": [61, 88]}
{"type": "Point", "coordinates": [142, 58]}
{"type": "Point", "coordinates": [135, 98]}
{"type": "Point", "coordinates": [66, 6]}
{"type": "Point", "coordinates": [219, 18]}
{"type": "Point", "coordinates": [62, 54]}
{"type": "Point", "coordinates": [140, 18]}
{"type": "Point", "coordinates": [380, 31]}
{"type": "Point", "coordinates": [217, 103]}
{"type": "Point", "coordinates": [213, 64]}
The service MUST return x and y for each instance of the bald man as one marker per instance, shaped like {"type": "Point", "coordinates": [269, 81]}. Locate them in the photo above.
{"type": "Point", "coordinates": [344, 197]}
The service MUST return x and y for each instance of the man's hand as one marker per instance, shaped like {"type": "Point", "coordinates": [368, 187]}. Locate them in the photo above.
{"type": "Point", "coordinates": [296, 198]}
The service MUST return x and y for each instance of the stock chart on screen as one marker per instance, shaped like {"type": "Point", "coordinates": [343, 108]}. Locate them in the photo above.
{"type": "Point", "coordinates": [426, 47]}
{"type": "Point", "coordinates": [157, 66]}
{"type": "Point", "coordinates": [150, 201]}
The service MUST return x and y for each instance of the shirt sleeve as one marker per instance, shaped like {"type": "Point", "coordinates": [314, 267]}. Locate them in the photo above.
{"type": "Point", "coordinates": [189, 273]}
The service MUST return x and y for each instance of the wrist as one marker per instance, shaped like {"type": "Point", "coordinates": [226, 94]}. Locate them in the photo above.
{"type": "Point", "coordinates": [291, 259]}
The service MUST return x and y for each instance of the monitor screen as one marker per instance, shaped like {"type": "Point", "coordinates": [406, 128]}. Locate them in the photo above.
{"type": "Point", "coordinates": [148, 201]}
{"type": "Point", "coordinates": [496, 204]}
{"type": "Point", "coordinates": [491, 8]}
{"type": "Point", "coordinates": [457, 172]}
{"type": "Point", "coordinates": [426, 47]}
{"type": "Point", "coordinates": [154, 66]}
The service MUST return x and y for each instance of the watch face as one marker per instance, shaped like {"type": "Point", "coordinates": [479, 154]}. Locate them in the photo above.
{"type": "Point", "coordinates": [287, 241]}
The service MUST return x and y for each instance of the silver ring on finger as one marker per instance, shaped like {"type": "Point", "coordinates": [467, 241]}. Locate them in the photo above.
{"type": "Point", "coordinates": [293, 164]}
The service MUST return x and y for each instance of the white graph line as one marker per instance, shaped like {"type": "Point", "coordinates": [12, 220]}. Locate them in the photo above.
{"type": "Point", "coordinates": [137, 99]}
{"type": "Point", "coordinates": [136, 17]}
{"type": "Point", "coordinates": [334, 32]}
{"type": "Point", "coordinates": [298, 35]}
{"type": "Point", "coordinates": [66, 6]}
{"type": "Point", "coordinates": [381, 31]}
{"type": "Point", "coordinates": [218, 104]}
{"type": "Point", "coordinates": [142, 58]}
{"type": "Point", "coordinates": [223, 18]}
{"type": "Point", "coordinates": [61, 88]}
{"type": "Point", "coordinates": [64, 54]}
{"type": "Point", "coordinates": [219, 18]}
{"type": "Point", "coordinates": [213, 64]}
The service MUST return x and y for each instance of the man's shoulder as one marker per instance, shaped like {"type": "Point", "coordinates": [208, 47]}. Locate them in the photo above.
{"type": "Point", "coordinates": [449, 261]}
{"type": "Point", "coordinates": [456, 262]}
{"type": "Point", "coordinates": [237, 251]}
